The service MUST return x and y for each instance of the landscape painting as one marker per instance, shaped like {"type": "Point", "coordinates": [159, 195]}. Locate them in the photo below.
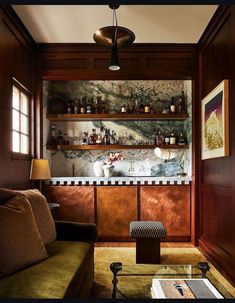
{"type": "Point", "coordinates": [215, 122]}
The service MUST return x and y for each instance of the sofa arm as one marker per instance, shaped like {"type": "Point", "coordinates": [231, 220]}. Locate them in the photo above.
{"type": "Point", "coordinates": [73, 231]}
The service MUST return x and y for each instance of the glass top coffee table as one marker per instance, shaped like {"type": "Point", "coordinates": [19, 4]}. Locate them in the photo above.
{"type": "Point", "coordinates": [135, 281]}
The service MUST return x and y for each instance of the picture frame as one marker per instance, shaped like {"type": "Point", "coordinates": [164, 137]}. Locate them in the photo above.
{"type": "Point", "coordinates": [215, 122]}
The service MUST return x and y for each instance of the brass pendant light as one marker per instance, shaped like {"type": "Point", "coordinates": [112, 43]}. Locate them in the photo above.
{"type": "Point", "coordinates": [114, 36]}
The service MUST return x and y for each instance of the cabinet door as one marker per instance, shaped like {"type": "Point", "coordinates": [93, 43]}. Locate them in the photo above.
{"type": "Point", "coordinates": [170, 205]}
{"type": "Point", "coordinates": [116, 208]}
{"type": "Point", "coordinates": [76, 203]}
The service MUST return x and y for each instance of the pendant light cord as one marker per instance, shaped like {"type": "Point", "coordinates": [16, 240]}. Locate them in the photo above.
{"type": "Point", "coordinates": [116, 26]}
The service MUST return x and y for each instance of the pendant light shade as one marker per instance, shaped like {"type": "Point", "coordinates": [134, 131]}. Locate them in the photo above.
{"type": "Point", "coordinates": [114, 61]}
{"type": "Point", "coordinates": [114, 36]}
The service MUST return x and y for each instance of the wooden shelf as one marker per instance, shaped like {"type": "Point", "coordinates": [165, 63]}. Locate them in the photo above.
{"type": "Point", "coordinates": [112, 147]}
{"type": "Point", "coordinates": [114, 117]}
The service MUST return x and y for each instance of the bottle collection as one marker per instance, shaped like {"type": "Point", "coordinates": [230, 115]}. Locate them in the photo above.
{"type": "Point", "coordinates": [104, 136]}
{"type": "Point", "coordinates": [170, 138]}
{"type": "Point", "coordinates": [98, 106]}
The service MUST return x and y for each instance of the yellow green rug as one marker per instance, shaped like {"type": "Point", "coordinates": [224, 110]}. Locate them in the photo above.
{"type": "Point", "coordinates": [104, 256]}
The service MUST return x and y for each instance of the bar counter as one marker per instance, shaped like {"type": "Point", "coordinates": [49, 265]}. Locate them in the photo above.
{"type": "Point", "coordinates": [112, 203]}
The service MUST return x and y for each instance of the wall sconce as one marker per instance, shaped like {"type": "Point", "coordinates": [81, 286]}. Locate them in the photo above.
{"type": "Point", "coordinates": [114, 36]}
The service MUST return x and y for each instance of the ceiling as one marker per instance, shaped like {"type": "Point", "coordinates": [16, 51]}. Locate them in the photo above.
{"type": "Point", "coordinates": [150, 23]}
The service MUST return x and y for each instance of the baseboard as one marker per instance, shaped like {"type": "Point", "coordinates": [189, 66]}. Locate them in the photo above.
{"type": "Point", "coordinates": [217, 261]}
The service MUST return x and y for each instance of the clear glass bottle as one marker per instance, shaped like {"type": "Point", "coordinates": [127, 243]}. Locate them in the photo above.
{"type": "Point", "coordinates": [167, 138]}
{"type": "Point", "coordinates": [88, 106]}
{"type": "Point", "coordinates": [112, 138]}
{"type": "Point", "coordinates": [172, 138]}
{"type": "Point", "coordinates": [124, 109]}
{"type": "Point", "coordinates": [99, 139]}
{"type": "Point", "coordinates": [83, 106]}
{"type": "Point", "coordinates": [172, 106]}
{"type": "Point", "coordinates": [75, 106]}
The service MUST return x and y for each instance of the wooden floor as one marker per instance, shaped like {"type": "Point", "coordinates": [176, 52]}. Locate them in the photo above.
{"type": "Point", "coordinates": [132, 244]}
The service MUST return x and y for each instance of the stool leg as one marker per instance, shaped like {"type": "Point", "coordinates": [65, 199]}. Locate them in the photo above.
{"type": "Point", "coordinates": [147, 251]}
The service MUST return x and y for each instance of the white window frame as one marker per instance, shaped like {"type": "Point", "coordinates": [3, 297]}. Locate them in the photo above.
{"type": "Point", "coordinates": [20, 154]}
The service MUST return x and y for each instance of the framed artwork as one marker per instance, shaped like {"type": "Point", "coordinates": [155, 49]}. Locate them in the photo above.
{"type": "Point", "coordinates": [215, 123]}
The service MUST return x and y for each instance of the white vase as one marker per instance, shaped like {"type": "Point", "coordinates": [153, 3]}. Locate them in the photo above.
{"type": "Point", "coordinates": [98, 168]}
{"type": "Point", "coordinates": [108, 170]}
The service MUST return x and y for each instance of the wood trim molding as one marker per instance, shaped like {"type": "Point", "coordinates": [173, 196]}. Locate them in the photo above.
{"type": "Point", "coordinates": [216, 260]}
{"type": "Point", "coordinates": [142, 47]}
{"type": "Point", "coordinates": [213, 26]}
{"type": "Point", "coordinates": [18, 24]}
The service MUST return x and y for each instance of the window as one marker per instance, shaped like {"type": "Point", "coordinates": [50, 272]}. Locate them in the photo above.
{"type": "Point", "coordinates": [20, 120]}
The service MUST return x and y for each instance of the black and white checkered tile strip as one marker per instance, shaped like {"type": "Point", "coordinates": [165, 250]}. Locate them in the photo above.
{"type": "Point", "coordinates": [147, 229]}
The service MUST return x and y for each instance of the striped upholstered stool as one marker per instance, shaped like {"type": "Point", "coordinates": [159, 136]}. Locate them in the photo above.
{"type": "Point", "coordinates": [148, 235]}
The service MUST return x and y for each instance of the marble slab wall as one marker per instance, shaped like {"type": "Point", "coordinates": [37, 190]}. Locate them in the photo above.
{"type": "Point", "coordinates": [136, 162]}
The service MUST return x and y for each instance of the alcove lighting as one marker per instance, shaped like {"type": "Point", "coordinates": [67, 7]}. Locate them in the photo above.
{"type": "Point", "coordinates": [114, 36]}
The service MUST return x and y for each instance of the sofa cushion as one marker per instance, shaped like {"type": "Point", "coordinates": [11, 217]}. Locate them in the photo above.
{"type": "Point", "coordinates": [20, 242]}
{"type": "Point", "coordinates": [41, 211]}
{"type": "Point", "coordinates": [62, 275]}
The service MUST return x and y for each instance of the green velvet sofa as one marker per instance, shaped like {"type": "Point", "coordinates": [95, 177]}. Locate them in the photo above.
{"type": "Point", "coordinates": [68, 272]}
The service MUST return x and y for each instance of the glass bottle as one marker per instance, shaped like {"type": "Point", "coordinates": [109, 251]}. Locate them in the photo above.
{"type": "Point", "coordinates": [132, 107]}
{"type": "Point", "coordinates": [141, 107]}
{"type": "Point", "coordinates": [99, 139]}
{"type": "Point", "coordinates": [85, 138]}
{"type": "Point", "coordinates": [83, 106]}
{"type": "Point", "coordinates": [60, 138]}
{"type": "Point", "coordinates": [146, 107]}
{"type": "Point", "coordinates": [172, 138]}
{"type": "Point", "coordinates": [159, 139]}
{"type": "Point", "coordinates": [65, 139]}
{"type": "Point", "coordinates": [95, 106]}
{"type": "Point", "coordinates": [181, 105]}
{"type": "Point", "coordinates": [167, 138]}
{"type": "Point", "coordinates": [69, 108]}
{"type": "Point", "coordinates": [75, 106]}
{"type": "Point", "coordinates": [88, 106]}
{"type": "Point", "coordinates": [106, 137]}
{"type": "Point", "coordinates": [93, 137]}
{"type": "Point", "coordinates": [182, 139]}
{"type": "Point", "coordinates": [52, 140]}
{"type": "Point", "coordinates": [136, 107]}
{"type": "Point", "coordinates": [103, 109]}
{"type": "Point", "coordinates": [112, 138]}
{"type": "Point", "coordinates": [172, 106]}
{"type": "Point", "coordinates": [123, 109]}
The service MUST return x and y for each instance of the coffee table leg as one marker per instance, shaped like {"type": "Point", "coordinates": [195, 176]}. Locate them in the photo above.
{"type": "Point", "coordinates": [115, 267]}
{"type": "Point", "coordinates": [204, 267]}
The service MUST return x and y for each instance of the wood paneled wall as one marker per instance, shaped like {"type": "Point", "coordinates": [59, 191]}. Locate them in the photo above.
{"type": "Point", "coordinates": [138, 62]}
{"type": "Point", "coordinates": [16, 60]}
{"type": "Point", "coordinates": [216, 54]}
